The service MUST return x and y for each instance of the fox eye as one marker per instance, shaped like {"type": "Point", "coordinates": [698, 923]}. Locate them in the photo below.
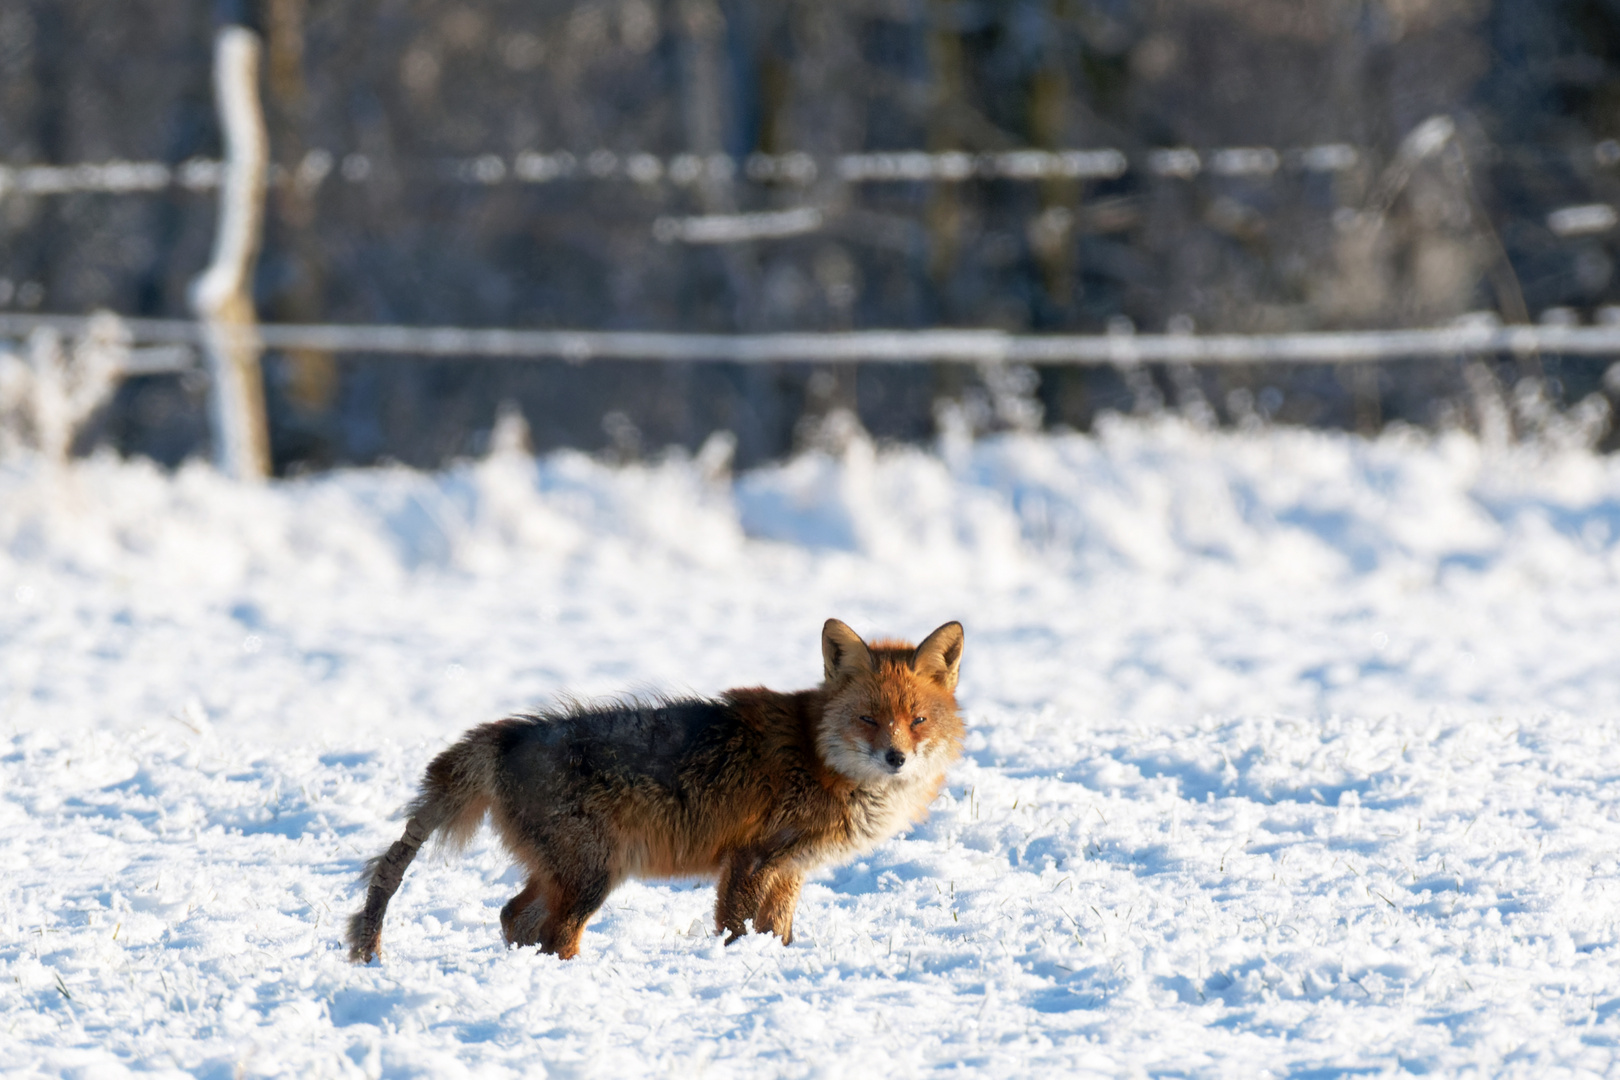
{"type": "Point", "coordinates": [918, 720]}
{"type": "Point", "coordinates": [868, 720]}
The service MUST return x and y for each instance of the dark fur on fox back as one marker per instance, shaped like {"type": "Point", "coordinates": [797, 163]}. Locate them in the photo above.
{"type": "Point", "coordinates": [732, 788]}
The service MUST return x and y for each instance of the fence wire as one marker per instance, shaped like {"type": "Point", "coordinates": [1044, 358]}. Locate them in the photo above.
{"type": "Point", "coordinates": [686, 169]}
{"type": "Point", "coordinates": [166, 344]}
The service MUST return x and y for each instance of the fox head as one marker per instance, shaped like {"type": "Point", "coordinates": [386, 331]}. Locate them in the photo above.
{"type": "Point", "coordinates": [890, 714]}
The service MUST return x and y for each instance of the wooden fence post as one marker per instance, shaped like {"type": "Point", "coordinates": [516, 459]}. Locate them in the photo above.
{"type": "Point", "coordinates": [223, 294]}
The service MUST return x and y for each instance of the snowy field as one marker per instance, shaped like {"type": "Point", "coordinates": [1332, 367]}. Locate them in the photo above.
{"type": "Point", "coordinates": [1291, 754]}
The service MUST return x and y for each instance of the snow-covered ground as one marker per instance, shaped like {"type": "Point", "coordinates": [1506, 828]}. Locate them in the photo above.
{"type": "Point", "coordinates": [1290, 751]}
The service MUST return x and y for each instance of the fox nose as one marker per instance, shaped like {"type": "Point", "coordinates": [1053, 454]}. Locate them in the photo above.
{"type": "Point", "coordinates": [895, 759]}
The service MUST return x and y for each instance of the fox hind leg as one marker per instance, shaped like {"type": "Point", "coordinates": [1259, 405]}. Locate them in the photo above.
{"type": "Point", "coordinates": [571, 904]}
{"type": "Point", "coordinates": [570, 875]}
{"type": "Point", "coordinates": [520, 918]}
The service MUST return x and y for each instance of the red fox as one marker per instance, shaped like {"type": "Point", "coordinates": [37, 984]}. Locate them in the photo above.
{"type": "Point", "coordinates": [753, 790]}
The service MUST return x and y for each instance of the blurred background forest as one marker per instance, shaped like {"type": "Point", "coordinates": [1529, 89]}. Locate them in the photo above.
{"type": "Point", "coordinates": [402, 129]}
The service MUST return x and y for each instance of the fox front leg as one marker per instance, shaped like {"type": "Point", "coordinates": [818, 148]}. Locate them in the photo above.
{"type": "Point", "coordinates": [775, 914]}
{"type": "Point", "coordinates": [758, 888]}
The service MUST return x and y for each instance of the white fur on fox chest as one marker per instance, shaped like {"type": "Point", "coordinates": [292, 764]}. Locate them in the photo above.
{"type": "Point", "coordinates": [879, 811]}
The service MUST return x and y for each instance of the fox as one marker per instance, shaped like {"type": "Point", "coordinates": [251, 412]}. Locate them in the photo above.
{"type": "Point", "coordinates": [752, 790]}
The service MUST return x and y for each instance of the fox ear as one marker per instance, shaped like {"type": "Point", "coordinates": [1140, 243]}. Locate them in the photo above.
{"type": "Point", "coordinates": [842, 651]}
{"type": "Point", "coordinates": [939, 657]}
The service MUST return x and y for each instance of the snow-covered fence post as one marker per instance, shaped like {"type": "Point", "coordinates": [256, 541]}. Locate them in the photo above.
{"type": "Point", "coordinates": [223, 294]}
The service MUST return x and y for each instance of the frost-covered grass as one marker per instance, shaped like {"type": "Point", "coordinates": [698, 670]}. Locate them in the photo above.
{"type": "Point", "coordinates": [1289, 752]}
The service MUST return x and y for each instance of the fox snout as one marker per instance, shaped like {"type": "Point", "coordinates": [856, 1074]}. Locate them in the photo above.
{"type": "Point", "coordinates": [889, 744]}
{"type": "Point", "coordinates": [889, 753]}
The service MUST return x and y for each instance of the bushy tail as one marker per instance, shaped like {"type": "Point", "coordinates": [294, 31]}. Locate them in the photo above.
{"type": "Point", "coordinates": [457, 790]}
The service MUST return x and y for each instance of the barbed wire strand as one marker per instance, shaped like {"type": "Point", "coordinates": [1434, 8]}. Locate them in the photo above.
{"type": "Point", "coordinates": [1255, 163]}
{"type": "Point", "coordinates": [536, 167]}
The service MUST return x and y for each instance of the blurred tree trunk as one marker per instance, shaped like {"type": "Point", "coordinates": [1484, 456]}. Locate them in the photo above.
{"type": "Point", "coordinates": [312, 382]}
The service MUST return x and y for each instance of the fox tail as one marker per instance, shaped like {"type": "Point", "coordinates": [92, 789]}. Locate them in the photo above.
{"type": "Point", "coordinates": [457, 790]}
